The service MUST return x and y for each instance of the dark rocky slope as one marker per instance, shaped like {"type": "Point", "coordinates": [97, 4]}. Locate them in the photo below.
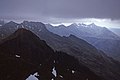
{"type": "Point", "coordinates": [23, 53]}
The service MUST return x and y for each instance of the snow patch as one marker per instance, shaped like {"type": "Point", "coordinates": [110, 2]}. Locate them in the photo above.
{"type": "Point", "coordinates": [18, 56]}
{"type": "Point", "coordinates": [73, 71]}
{"type": "Point", "coordinates": [87, 79]}
{"type": "Point", "coordinates": [29, 26]}
{"type": "Point", "coordinates": [54, 72]}
{"type": "Point", "coordinates": [36, 74]}
{"type": "Point", "coordinates": [32, 77]}
{"type": "Point", "coordinates": [22, 26]}
{"type": "Point", "coordinates": [61, 76]}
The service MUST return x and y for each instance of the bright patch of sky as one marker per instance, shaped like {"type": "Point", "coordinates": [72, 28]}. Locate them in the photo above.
{"type": "Point", "coordinates": [109, 23]}
{"type": "Point", "coordinates": [100, 22]}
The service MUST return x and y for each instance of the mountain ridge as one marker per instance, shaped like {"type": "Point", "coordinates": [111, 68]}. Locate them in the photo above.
{"type": "Point", "coordinates": [94, 59]}
{"type": "Point", "coordinates": [100, 37]}
{"type": "Point", "coordinates": [25, 57]}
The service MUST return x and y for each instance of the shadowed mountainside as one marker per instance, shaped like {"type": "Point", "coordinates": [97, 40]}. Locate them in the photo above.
{"type": "Point", "coordinates": [23, 54]}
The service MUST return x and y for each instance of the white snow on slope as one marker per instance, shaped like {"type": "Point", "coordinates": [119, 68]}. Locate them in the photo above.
{"type": "Point", "coordinates": [32, 77]}
{"type": "Point", "coordinates": [54, 72]}
{"type": "Point", "coordinates": [17, 56]}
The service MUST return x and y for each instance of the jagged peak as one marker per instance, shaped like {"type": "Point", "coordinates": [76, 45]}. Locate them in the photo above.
{"type": "Point", "coordinates": [25, 22]}
{"type": "Point", "coordinates": [74, 24]}
{"type": "Point", "coordinates": [71, 35]}
{"type": "Point", "coordinates": [49, 24]}
{"type": "Point", "coordinates": [33, 23]}
{"type": "Point", "coordinates": [92, 25]}
{"type": "Point", "coordinates": [11, 23]}
{"type": "Point", "coordinates": [82, 24]}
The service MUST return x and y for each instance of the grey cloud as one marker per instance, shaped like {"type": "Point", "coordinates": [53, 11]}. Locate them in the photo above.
{"type": "Point", "coordinates": [45, 9]}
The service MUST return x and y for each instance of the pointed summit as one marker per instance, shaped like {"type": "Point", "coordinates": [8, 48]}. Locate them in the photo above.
{"type": "Point", "coordinates": [23, 32]}
{"type": "Point", "coordinates": [92, 25]}
{"type": "Point", "coordinates": [74, 24]}
{"type": "Point", "coordinates": [11, 23]}
{"type": "Point", "coordinates": [26, 41]}
{"type": "Point", "coordinates": [82, 24]}
{"type": "Point", "coordinates": [23, 53]}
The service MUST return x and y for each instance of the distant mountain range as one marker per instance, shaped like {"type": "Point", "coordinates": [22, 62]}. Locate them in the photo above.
{"type": "Point", "coordinates": [83, 30]}
{"type": "Point", "coordinates": [100, 65]}
{"type": "Point", "coordinates": [116, 30]}
{"type": "Point", "coordinates": [100, 37]}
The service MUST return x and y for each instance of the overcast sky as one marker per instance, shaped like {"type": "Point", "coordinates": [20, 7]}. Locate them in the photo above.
{"type": "Point", "coordinates": [62, 11]}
